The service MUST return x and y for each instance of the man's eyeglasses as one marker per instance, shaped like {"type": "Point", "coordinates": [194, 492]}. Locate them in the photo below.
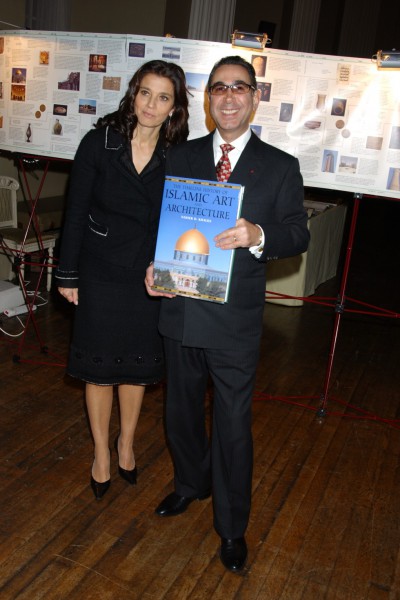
{"type": "Point", "coordinates": [219, 89]}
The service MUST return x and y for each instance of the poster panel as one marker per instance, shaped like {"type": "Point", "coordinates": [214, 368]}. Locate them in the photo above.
{"type": "Point", "coordinates": [339, 116]}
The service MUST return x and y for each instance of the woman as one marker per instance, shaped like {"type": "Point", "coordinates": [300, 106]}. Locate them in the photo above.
{"type": "Point", "coordinates": [108, 241]}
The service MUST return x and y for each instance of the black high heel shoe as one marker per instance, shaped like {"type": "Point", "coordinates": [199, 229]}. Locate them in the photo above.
{"type": "Point", "coordinates": [129, 476]}
{"type": "Point", "coordinates": [99, 489]}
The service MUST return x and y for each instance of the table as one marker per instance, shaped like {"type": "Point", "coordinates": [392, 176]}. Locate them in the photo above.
{"type": "Point", "coordinates": [300, 276]}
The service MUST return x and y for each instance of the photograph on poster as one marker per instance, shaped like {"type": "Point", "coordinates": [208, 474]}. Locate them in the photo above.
{"type": "Point", "coordinates": [395, 138]}
{"type": "Point", "coordinates": [320, 103]}
{"type": "Point", "coordinates": [28, 133]}
{"type": "Point", "coordinates": [60, 109]}
{"type": "Point", "coordinates": [136, 50]}
{"type": "Point", "coordinates": [18, 93]}
{"type": "Point", "coordinates": [72, 82]}
{"type": "Point", "coordinates": [329, 161]}
{"type": "Point", "coordinates": [374, 142]}
{"type": "Point", "coordinates": [286, 112]}
{"type": "Point", "coordinates": [257, 129]}
{"type": "Point", "coordinates": [338, 107]}
{"type": "Point", "coordinates": [348, 164]}
{"type": "Point", "coordinates": [196, 82]}
{"type": "Point", "coordinates": [44, 57]}
{"type": "Point", "coordinates": [112, 83]}
{"type": "Point", "coordinates": [260, 64]}
{"type": "Point", "coordinates": [171, 53]}
{"type": "Point", "coordinates": [18, 75]}
{"type": "Point", "coordinates": [57, 127]}
{"type": "Point", "coordinates": [393, 182]}
{"type": "Point", "coordinates": [98, 63]}
{"type": "Point", "coordinates": [87, 107]}
{"type": "Point", "coordinates": [312, 124]}
{"type": "Point", "coordinates": [265, 89]}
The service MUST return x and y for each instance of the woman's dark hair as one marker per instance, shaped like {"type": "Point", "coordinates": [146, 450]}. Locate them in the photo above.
{"type": "Point", "coordinates": [175, 129]}
{"type": "Point", "coordinates": [234, 60]}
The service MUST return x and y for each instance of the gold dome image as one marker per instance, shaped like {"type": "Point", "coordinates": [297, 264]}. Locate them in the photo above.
{"type": "Point", "coordinates": [193, 242]}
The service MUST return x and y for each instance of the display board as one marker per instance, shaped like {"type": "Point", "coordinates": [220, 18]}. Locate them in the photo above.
{"type": "Point", "coordinates": [339, 115]}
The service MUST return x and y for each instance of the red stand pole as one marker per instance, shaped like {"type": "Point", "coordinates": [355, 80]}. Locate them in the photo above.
{"type": "Point", "coordinates": [33, 219]}
{"type": "Point", "coordinates": [340, 305]}
{"type": "Point", "coordinates": [34, 223]}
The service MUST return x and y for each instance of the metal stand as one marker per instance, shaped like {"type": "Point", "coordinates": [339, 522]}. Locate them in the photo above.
{"type": "Point", "coordinates": [340, 307]}
{"type": "Point", "coordinates": [20, 261]}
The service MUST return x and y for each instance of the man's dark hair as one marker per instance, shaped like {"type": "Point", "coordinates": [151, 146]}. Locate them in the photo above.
{"type": "Point", "coordinates": [234, 60]}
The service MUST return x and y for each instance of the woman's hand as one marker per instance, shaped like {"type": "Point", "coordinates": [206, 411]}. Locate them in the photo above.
{"type": "Point", "coordinates": [149, 281]}
{"type": "Point", "coordinates": [70, 294]}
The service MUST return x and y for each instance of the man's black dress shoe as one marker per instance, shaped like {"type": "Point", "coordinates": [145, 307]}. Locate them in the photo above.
{"type": "Point", "coordinates": [99, 488]}
{"type": "Point", "coordinates": [233, 553]}
{"type": "Point", "coordinates": [174, 504]}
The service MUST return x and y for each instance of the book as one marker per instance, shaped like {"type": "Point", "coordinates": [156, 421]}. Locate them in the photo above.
{"type": "Point", "coordinates": [187, 262]}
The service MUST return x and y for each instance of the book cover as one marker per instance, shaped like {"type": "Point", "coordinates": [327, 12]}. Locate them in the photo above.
{"type": "Point", "coordinates": [193, 212]}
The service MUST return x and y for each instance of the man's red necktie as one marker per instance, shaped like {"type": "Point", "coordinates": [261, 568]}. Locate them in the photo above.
{"type": "Point", "coordinates": [223, 167]}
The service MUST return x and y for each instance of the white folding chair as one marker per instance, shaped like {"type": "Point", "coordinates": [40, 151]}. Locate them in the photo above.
{"type": "Point", "coordinates": [16, 242]}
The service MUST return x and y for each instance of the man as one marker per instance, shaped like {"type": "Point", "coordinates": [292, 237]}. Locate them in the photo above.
{"type": "Point", "coordinates": [205, 339]}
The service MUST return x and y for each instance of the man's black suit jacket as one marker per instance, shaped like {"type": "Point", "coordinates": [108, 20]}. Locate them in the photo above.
{"type": "Point", "coordinates": [273, 198]}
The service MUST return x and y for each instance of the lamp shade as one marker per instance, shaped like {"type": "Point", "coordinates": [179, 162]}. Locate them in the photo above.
{"type": "Point", "coordinates": [243, 39]}
{"type": "Point", "coordinates": [387, 59]}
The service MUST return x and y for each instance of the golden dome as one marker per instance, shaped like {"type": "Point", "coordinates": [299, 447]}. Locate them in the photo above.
{"type": "Point", "coordinates": [192, 241]}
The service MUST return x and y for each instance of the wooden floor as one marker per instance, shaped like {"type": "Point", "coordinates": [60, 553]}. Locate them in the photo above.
{"type": "Point", "coordinates": [326, 492]}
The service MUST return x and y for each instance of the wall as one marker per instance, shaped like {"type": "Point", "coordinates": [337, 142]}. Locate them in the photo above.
{"type": "Point", "coordinates": [177, 17]}
{"type": "Point", "coordinates": [12, 12]}
{"type": "Point", "coordinates": [355, 28]}
{"type": "Point", "coordinates": [330, 22]}
{"type": "Point", "coordinates": [248, 20]}
{"type": "Point", "coordinates": [124, 16]}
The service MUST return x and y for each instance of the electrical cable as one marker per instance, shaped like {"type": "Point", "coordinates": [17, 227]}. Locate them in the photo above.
{"type": "Point", "coordinates": [14, 335]}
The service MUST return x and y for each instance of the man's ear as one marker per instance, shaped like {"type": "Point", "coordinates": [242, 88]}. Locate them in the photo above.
{"type": "Point", "coordinates": [256, 99]}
